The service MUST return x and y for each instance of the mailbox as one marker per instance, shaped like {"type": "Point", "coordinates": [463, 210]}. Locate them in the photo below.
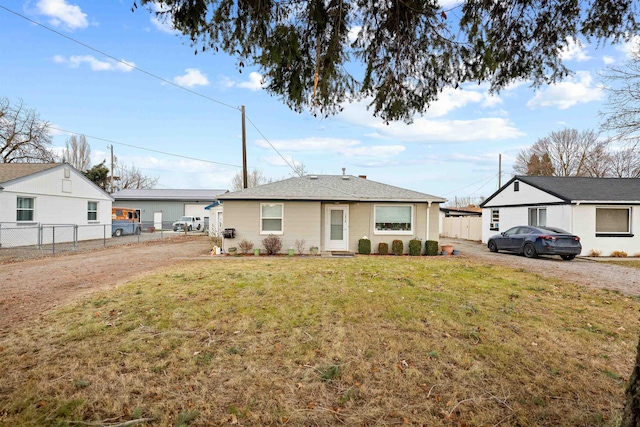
{"type": "Point", "coordinates": [229, 233]}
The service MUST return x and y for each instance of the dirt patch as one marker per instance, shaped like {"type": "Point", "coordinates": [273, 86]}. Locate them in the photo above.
{"type": "Point", "coordinates": [30, 288]}
{"type": "Point", "coordinates": [580, 271]}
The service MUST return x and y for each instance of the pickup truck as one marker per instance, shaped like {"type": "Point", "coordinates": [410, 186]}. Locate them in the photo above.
{"type": "Point", "coordinates": [189, 223]}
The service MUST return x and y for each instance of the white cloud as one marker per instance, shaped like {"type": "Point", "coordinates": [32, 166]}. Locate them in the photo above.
{"type": "Point", "coordinates": [578, 89]}
{"type": "Point", "coordinates": [254, 83]}
{"type": "Point", "coordinates": [193, 77]}
{"type": "Point", "coordinates": [75, 61]}
{"type": "Point", "coordinates": [341, 147]}
{"type": "Point", "coordinates": [448, 3]}
{"type": "Point", "coordinates": [608, 60]}
{"type": "Point", "coordinates": [574, 50]}
{"type": "Point", "coordinates": [630, 47]}
{"type": "Point", "coordinates": [163, 22]}
{"type": "Point", "coordinates": [62, 14]}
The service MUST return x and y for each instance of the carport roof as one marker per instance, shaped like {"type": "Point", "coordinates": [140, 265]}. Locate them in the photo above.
{"type": "Point", "coordinates": [195, 195]}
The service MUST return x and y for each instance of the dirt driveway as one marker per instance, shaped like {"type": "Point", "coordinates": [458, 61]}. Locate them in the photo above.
{"type": "Point", "coordinates": [593, 274]}
{"type": "Point", "coordinates": [30, 288]}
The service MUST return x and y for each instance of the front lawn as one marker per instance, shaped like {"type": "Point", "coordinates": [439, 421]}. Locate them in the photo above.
{"type": "Point", "coordinates": [302, 341]}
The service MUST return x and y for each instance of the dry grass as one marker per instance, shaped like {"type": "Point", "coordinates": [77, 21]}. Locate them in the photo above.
{"type": "Point", "coordinates": [629, 263]}
{"type": "Point", "coordinates": [310, 341]}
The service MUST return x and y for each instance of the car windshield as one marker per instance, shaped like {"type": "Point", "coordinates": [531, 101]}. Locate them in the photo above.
{"type": "Point", "coordinates": [552, 230]}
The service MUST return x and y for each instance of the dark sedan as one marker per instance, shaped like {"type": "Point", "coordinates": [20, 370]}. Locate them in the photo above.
{"type": "Point", "coordinates": [534, 241]}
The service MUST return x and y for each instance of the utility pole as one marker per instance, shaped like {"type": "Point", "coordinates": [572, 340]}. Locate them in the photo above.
{"type": "Point", "coordinates": [112, 171]}
{"type": "Point", "coordinates": [245, 184]}
{"type": "Point", "coordinates": [499, 171]}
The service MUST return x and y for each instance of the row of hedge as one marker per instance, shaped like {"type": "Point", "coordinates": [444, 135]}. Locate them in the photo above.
{"type": "Point", "coordinates": [397, 247]}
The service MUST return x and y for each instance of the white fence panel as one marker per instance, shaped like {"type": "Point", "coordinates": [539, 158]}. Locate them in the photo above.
{"type": "Point", "coordinates": [462, 227]}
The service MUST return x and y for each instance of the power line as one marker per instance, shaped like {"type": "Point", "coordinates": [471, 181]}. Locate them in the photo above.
{"type": "Point", "coordinates": [119, 60]}
{"type": "Point", "coordinates": [486, 178]}
{"type": "Point", "coordinates": [143, 148]}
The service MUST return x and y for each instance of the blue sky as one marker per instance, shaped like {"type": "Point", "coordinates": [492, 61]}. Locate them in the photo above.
{"type": "Point", "coordinates": [451, 151]}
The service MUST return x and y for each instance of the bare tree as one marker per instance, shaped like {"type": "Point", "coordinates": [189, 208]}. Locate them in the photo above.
{"type": "Point", "coordinates": [255, 178]}
{"type": "Point", "coordinates": [24, 138]}
{"type": "Point", "coordinates": [133, 177]}
{"type": "Point", "coordinates": [77, 152]}
{"type": "Point", "coordinates": [572, 153]}
{"type": "Point", "coordinates": [625, 162]}
{"type": "Point", "coordinates": [622, 84]}
{"type": "Point", "coordinates": [298, 169]}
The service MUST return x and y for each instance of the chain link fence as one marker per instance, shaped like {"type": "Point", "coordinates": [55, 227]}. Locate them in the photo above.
{"type": "Point", "coordinates": [24, 241]}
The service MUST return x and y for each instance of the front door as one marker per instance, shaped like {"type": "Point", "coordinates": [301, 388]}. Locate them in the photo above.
{"type": "Point", "coordinates": [336, 228]}
{"type": "Point", "coordinates": [157, 220]}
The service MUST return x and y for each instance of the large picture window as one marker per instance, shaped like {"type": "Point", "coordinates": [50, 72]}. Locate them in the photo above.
{"type": "Point", "coordinates": [393, 219]}
{"type": "Point", "coordinates": [271, 218]}
{"type": "Point", "coordinates": [25, 208]}
{"type": "Point", "coordinates": [538, 217]}
{"type": "Point", "coordinates": [92, 211]}
{"type": "Point", "coordinates": [613, 220]}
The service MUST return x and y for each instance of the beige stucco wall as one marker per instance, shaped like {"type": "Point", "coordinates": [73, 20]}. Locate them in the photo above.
{"type": "Point", "coordinates": [301, 221]}
{"type": "Point", "coordinates": [361, 216]}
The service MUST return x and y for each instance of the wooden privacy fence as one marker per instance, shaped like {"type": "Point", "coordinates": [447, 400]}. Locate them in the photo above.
{"type": "Point", "coordinates": [462, 227]}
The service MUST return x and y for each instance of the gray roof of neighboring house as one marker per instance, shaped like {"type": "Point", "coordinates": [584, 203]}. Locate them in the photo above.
{"type": "Point", "coordinates": [330, 187]}
{"type": "Point", "coordinates": [173, 194]}
{"type": "Point", "coordinates": [574, 189]}
{"type": "Point", "coordinates": [11, 171]}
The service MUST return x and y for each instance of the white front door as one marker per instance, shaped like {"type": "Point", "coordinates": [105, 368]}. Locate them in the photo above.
{"type": "Point", "coordinates": [336, 228]}
{"type": "Point", "coordinates": [157, 220]}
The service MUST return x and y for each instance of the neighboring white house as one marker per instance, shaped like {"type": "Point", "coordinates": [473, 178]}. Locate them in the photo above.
{"type": "Point", "coordinates": [603, 212]}
{"type": "Point", "coordinates": [41, 194]}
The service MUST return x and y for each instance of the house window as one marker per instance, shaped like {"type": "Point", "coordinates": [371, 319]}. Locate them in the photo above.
{"type": "Point", "coordinates": [393, 219]}
{"type": "Point", "coordinates": [92, 211]}
{"type": "Point", "coordinates": [495, 220]}
{"type": "Point", "coordinates": [538, 217]}
{"type": "Point", "coordinates": [516, 186]}
{"type": "Point", "coordinates": [271, 215]}
{"type": "Point", "coordinates": [614, 221]}
{"type": "Point", "coordinates": [25, 207]}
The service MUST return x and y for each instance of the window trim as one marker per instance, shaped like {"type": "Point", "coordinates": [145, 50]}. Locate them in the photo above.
{"type": "Point", "coordinates": [537, 209]}
{"type": "Point", "coordinates": [89, 211]}
{"type": "Point", "coordinates": [492, 221]}
{"type": "Point", "coordinates": [32, 210]}
{"type": "Point", "coordinates": [627, 233]}
{"type": "Point", "coordinates": [410, 232]}
{"type": "Point", "coordinates": [516, 186]}
{"type": "Point", "coordinates": [281, 218]}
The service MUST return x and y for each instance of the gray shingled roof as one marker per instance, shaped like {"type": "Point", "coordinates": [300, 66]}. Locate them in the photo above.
{"type": "Point", "coordinates": [587, 189]}
{"type": "Point", "coordinates": [173, 194]}
{"type": "Point", "coordinates": [330, 187]}
{"type": "Point", "coordinates": [11, 171]}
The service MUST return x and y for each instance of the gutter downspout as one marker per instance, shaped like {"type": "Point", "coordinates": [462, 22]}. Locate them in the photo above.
{"type": "Point", "coordinates": [428, 218]}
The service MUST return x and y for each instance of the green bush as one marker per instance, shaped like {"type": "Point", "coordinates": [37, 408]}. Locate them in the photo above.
{"type": "Point", "coordinates": [415, 247]}
{"type": "Point", "coordinates": [383, 248]}
{"type": "Point", "coordinates": [397, 247]}
{"type": "Point", "coordinates": [431, 248]}
{"type": "Point", "coordinates": [364, 246]}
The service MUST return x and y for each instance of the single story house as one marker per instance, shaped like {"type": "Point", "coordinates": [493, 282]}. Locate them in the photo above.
{"type": "Point", "coordinates": [603, 212]}
{"type": "Point", "coordinates": [33, 195]}
{"type": "Point", "coordinates": [161, 207]}
{"type": "Point", "coordinates": [331, 212]}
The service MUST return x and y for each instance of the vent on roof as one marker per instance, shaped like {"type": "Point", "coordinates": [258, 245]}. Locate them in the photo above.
{"type": "Point", "coordinates": [345, 177]}
{"type": "Point", "coordinates": [362, 176]}
{"type": "Point", "coordinates": [313, 176]}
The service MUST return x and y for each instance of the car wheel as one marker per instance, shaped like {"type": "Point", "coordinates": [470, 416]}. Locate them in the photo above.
{"type": "Point", "coordinates": [198, 228]}
{"type": "Point", "coordinates": [567, 257]}
{"type": "Point", "coordinates": [530, 251]}
{"type": "Point", "coordinates": [190, 228]}
{"type": "Point", "coordinates": [118, 232]}
{"type": "Point", "coordinates": [492, 246]}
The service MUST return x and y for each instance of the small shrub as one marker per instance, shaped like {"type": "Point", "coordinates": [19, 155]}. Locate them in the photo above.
{"type": "Point", "coordinates": [272, 244]}
{"type": "Point", "coordinates": [397, 247]}
{"type": "Point", "coordinates": [364, 246]}
{"type": "Point", "coordinates": [431, 247]}
{"type": "Point", "coordinates": [300, 245]}
{"type": "Point", "coordinates": [383, 248]}
{"type": "Point", "coordinates": [245, 246]}
{"type": "Point", "coordinates": [636, 255]}
{"type": "Point", "coordinates": [595, 253]}
{"type": "Point", "coordinates": [619, 254]}
{"type": "Point", "coordinates": [415, 247]}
